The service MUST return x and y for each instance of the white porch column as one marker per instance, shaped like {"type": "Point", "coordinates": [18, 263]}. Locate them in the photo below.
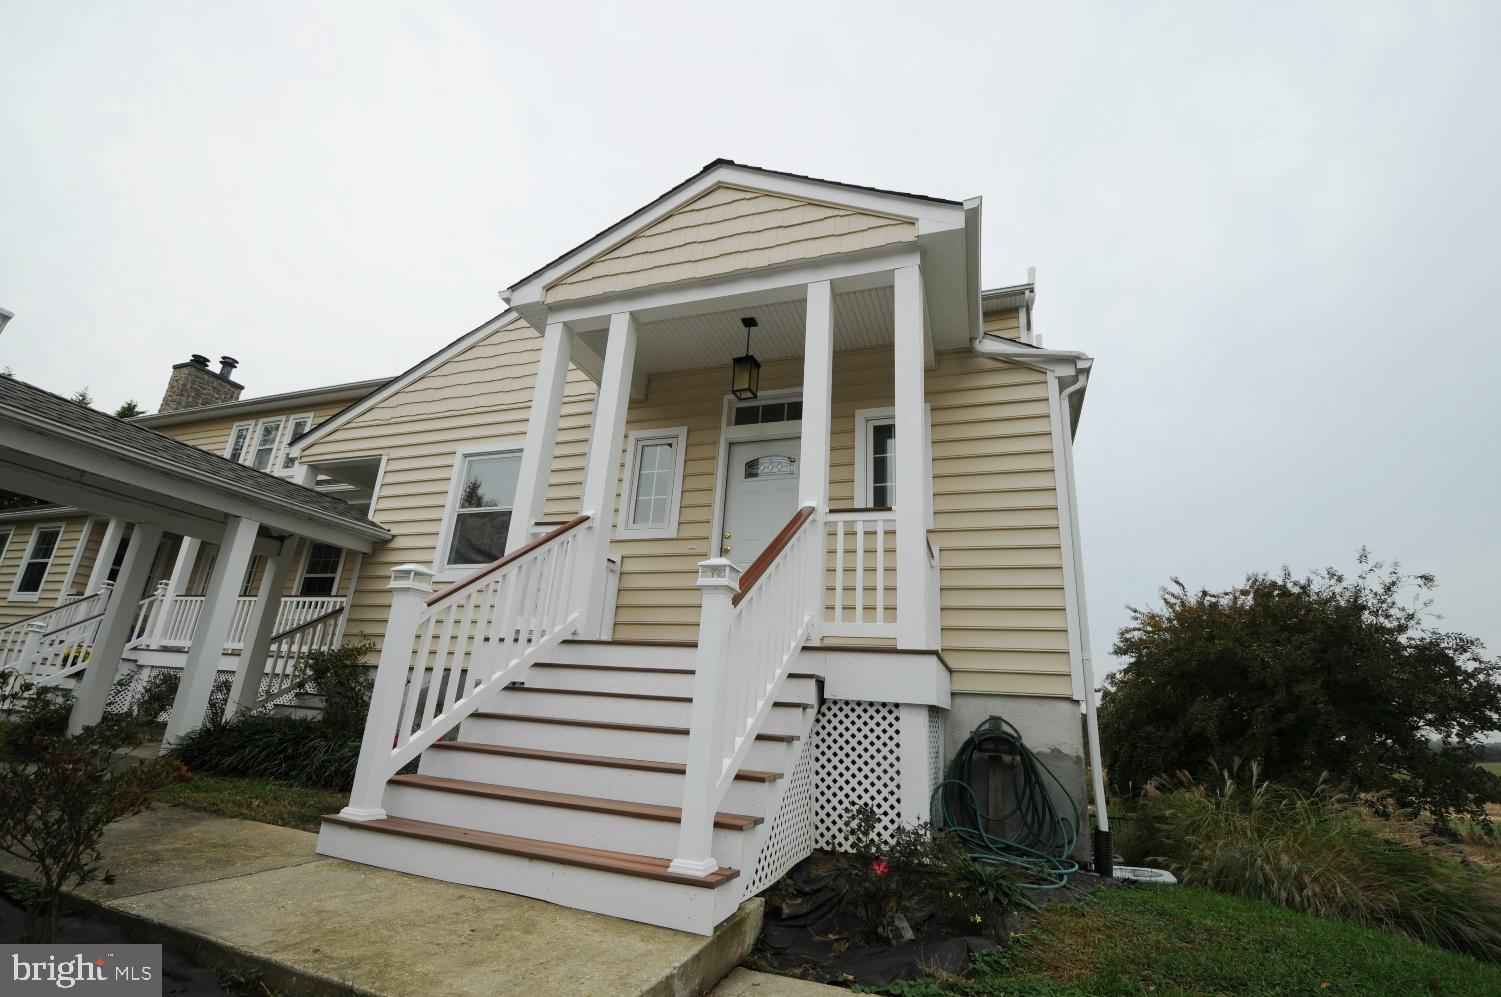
{"type": "Point", "coordinates": [246, 688]}
{"type": "Point", "coordinates": [182, 570]}
{"type": "Point", "coordinates": [114, 629]}
{"type": "Point", "coordinates": [818, 390]}
{"type": "Point", "coordinates": [113, 533]}
{"type": "Point", "coordinates": [910, 471]}
{"type": "Point", "coordinates": [207, 648]}
{"type": "Point", "coordinates": [541, 434]}
{"type": "Point", "coordinates": [602, 472]}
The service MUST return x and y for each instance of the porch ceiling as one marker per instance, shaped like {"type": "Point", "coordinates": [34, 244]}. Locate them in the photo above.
{"type": "Point", "coordinates": [862, 319]}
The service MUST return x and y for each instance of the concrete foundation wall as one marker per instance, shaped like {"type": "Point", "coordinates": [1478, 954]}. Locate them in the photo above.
{"type": "Point", "coordinates": [1052, 728]}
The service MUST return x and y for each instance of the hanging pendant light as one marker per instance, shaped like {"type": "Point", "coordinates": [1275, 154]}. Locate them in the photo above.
{"type": "Point", "coordinates": [745, 372]}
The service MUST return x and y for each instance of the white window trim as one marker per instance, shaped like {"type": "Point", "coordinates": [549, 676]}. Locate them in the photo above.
{"type": "Point", "coordinates": [255, 435]}
{"type": "Point", "coordinates": [307, 555]}
{"type": "Point", "coordinates": [443, 571]}
{"type": "Point", "coordinates": [7, 534]}
{"type": "Point", "coordinates": [634, 441]}
{"type": "Point", "coordinates": [284, 444]}
{"type": "Point", "coordinates": [863, 419]}
{"type": "Point", "coordinates": [15, 594]}
{"type": "Point", "coordinates": [730, 434]}
{"type": "Point", "coordinates": [229, 444]}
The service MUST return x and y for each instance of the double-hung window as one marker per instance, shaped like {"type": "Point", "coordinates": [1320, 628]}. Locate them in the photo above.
{"type": "Point", "coordinates": [479, 514]}
{"type": "Point", "coordinates": [239, 442]}
{"type": "Point", "coordinates": [654, 484]}
{"type": "Point", "coordinates": [299, 428]}
{"type": "Point", "coordinates": [321, 572]}
{"type": "Point", "coordinates": [36, 562]}
{"type": "Point", "coordinates": [266, 436]}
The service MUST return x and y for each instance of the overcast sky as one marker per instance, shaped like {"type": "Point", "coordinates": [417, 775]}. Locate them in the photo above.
{"type": "Point", "coordinates": [1274, 225]}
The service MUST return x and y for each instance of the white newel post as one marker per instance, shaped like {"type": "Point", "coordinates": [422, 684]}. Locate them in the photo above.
{"type": "Point", "coordinates": [411, 585]}
{"type": "Point", "coordinates": [114, 628]}
{"type": "Point", "coordinates": [813, 460]}
{"type": "Point", "coordinates": [154, 611]}
{"type": "Point", "coordinates": [602, 473]}
{"type": "Point", "coordinates": [541, 434]}
{"type": "Point", "coordinates": [910, 506]}
{"type": "Point", "coordinates": [99, 573]}
{"type": "Point", "coordinates": [718, 582]}
{"type": "Point", "coordinates": [258, 630]}
{"type": "Point", "coordinates": [206, 649]}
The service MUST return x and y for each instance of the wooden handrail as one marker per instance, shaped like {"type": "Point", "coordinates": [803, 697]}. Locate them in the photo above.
{"type": "Point", "coordinates": [520, 552]}
{"type": "Point", "coordinates": [304, 625]}
{"type": "Point", "coordinates": [781, 540]}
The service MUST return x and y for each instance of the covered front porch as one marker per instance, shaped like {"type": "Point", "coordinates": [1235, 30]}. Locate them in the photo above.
{"type": "Point", "coordinates": [148, 486]}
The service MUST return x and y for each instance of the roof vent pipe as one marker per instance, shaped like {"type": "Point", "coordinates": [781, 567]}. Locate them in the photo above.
{"type": "Point", "coordinates": [199, 360]}
{"type": "Point", "coordinates": [227, 367]}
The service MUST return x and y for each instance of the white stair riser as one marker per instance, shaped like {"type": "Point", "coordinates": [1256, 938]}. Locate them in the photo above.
{"type": "Point", "coordinates": [625, 655]}
{"type": "Point", "coordinates": [686, 908]}
{"type": "Point", "coordinates": [663, 713]}
{"type": "Point", "coordinates": [612, 832]}
{"type": "Point", "coordinates": [632, 785]}
{"type": "Point", "coordinates": [766, 755]}
{"type": "Point", "coordinates": [801, 690]}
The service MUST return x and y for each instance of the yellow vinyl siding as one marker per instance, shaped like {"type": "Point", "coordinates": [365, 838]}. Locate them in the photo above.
{"type": "Point", "coordinates": [728, 229]}
{"type": "Point", "coordinates": [1007, 324]}
{"type": "Point", "coordinates": [52, 585]}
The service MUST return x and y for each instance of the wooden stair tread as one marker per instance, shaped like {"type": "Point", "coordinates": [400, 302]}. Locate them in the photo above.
{"type": "Point", "coordinates": [603, 761]}
{"type": "Point", "coordinates": [611, 725]}
{"type": "Point", "coordinates": [628, 695]}
{"type": "Point", "coordinates": [592, 804]}
{"type": "Point", "coordinates": [648, 670]}
{"type": "Point", "coordinates": [624, 863]}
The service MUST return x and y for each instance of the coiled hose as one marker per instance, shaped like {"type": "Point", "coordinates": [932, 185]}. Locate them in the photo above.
{"type": "Point", "coordinates": [1044, 842]}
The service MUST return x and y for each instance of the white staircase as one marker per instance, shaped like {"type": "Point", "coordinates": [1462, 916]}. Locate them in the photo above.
{"type": "Point", "coordinates": [639, 780]}
{"type": "Point", "coordinates": [569, 789]}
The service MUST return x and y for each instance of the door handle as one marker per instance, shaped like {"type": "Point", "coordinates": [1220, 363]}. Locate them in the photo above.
{"type": "Point", "coordinates": [727, 535]}
{"type": "Point", "coordinates": [724, 549]}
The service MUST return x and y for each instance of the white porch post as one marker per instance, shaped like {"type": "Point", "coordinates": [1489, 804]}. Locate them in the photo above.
{"type": "Point", "coordinates": [818, 393]}
{"type": "Point", "coordinates": [246, 688]}
{"type": "Point", "coordinates": [182, 570]}
{"type": "Point", "coordinates": [910, 471]}
{"type": "Point", "coordinates": [114, 629]}
{"type": "Point", "coordinates": [209, 637]}
{"type": "Point", "coordinates": [541, 434]}
{"type": "Point", "coordinates": [602, 473]}
{"type": "Point", "coordinates": [113, 533]}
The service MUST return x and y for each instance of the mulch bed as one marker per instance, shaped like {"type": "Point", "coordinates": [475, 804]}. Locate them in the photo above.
{"type": "Point", "coordinates": [810, 932]}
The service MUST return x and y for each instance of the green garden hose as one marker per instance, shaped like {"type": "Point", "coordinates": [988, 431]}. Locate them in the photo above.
{"type": "Point", "coordinates": [1044, 843]}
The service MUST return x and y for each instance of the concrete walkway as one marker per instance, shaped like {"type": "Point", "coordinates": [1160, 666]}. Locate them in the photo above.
{"type": "Point", "coordinates": [254, 897]}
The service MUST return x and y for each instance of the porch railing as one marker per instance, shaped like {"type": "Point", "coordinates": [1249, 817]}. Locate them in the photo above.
{"type": "Point", "coordinates": [863, 601]}
{"type": "Point", "coordinates": [58, 639]}
{"type": "Point", "coordinates": [287, 649]}
{"type": "Point", "coordinates": [169, 621]}
{"type": "Point", "coordinates": [443, 656]}
{"type": "Point", "coordinates": [749, 635]}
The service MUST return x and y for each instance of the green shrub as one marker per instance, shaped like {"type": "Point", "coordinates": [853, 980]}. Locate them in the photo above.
{"type": "Point", "coordinates": [342, 677]}
{"type": "Point", "coordinates": [1319, 853]}
{"type": "Point", "coordinates": [263, 746]}
{"type": "Point", "coordinates": [37, 715]}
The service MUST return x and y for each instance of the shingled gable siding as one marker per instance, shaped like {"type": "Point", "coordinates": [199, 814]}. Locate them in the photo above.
{"type": "Point", "coordinates": [995, 508]}
{"type": "Point", "coordinates": [728, 229]}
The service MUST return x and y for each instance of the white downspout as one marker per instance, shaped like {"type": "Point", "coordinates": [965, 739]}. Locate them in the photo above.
{"type": "Point", "coordinates": [1091, 716]}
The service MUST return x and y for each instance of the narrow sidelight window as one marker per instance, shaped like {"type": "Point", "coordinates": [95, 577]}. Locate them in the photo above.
{"type": "Point", "coordinates": [882, 459]}
{"type": "Point", "coordinates": [654, 483]}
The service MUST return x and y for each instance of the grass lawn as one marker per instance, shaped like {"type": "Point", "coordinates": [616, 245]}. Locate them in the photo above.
{"type": "Point", "coordinates": [264, 800]}
{"type": "Point", "coordinates": [1178, 940]}
{"type": "Point", "coordinates": [1493, 767]}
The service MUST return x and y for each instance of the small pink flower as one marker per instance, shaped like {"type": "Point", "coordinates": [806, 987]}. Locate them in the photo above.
{"type": "Point", "coordinates": [881, 867]}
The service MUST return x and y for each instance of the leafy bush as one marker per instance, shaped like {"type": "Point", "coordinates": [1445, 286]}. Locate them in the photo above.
{"type": "Point", "coordinates": [1319, 853]}
{"type": "Point", "coordinates": [38, 714]}
{"type": "Point", "coordinates": [56, 803]}
{"type": "Point", "coordinates": [345, 682]}
{"type": "Point", "coordinates": [1323, 674]}
{"type": "Point", "coordinates": [262, 746]}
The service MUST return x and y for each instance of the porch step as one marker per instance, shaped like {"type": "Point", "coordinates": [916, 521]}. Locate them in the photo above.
{"type": "Point", "coordinates": [643, 708]}
{"type": "Point", "coordinates": [652, 679]}
{"type": "Point", "coordinates": [656, 742]}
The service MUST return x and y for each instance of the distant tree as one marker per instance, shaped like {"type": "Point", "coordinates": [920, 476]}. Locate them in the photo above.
{"type": "Point", "coordinates": [7, 371]}
{"type": "Point", "coordinates": [129, 410]}
{"type": "Point", "coordinates": [1308, 676]}
{"type": "Point", "coordinates": [10, 501]}
{"type": "Point", "coordinates": [82, 397]}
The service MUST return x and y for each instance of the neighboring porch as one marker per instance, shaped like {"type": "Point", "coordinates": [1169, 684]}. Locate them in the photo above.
{"type": "Point", "coordinates": [148, 486]}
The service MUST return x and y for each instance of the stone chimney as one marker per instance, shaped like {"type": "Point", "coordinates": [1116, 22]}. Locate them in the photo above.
{"type": "Point", "coordinates": [192, 384]}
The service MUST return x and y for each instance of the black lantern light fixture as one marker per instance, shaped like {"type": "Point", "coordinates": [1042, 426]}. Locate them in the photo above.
{"type": "Point", "coordinates": [745, 372]}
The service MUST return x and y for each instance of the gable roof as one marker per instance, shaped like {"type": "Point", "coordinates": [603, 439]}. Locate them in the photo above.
{"type": "Point", "coordinates": [353, 390]}
{"type": "Point", "coordinates": [52, 415]}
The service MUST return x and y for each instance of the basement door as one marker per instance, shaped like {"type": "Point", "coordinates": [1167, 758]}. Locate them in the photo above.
{"type": "Point", "coordinates": [760, 496]}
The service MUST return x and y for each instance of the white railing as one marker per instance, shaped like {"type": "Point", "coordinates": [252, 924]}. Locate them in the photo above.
{"type": "Point", "coordinates": [863, 603]}
{"type": "Point", "coordinates": [750, 633]}
{"type": "Point", "coordinates": [60, 639]}
{"type": "Point", "coordinates": [443, 656]}
{"type": "Point", "coordinates": [288, 648]}
{"type": "Point", "coordinates": [175, 628]}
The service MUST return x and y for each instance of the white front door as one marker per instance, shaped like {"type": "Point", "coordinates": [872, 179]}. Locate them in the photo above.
{"type": "Point", "coordinates": [760, 496]}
